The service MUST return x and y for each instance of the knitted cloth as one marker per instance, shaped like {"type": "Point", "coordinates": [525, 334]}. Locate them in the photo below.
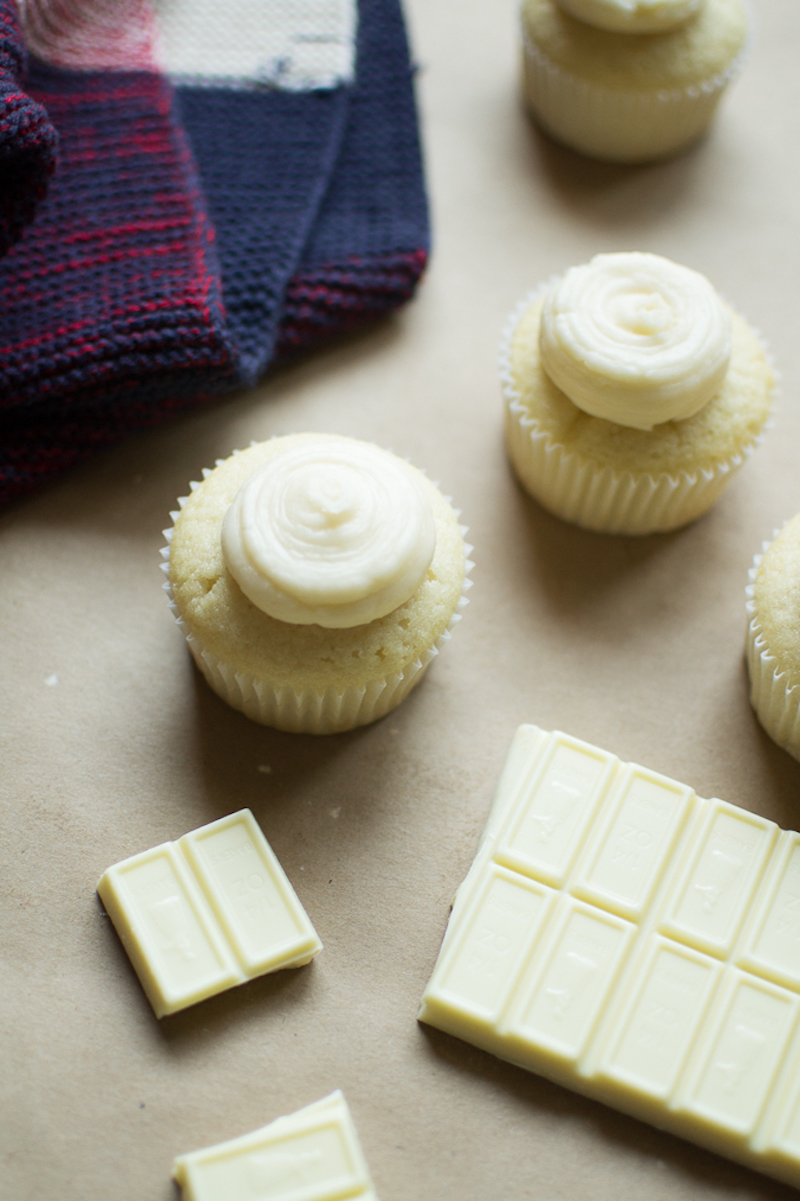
{"type": "Point", "coordinates": [217, 204]}
{"type": "Point", "coordinates": [27, 139]}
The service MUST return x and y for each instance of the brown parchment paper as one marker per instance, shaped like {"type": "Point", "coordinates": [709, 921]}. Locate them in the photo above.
{"type": "Point", "coordinates": [110, 742]}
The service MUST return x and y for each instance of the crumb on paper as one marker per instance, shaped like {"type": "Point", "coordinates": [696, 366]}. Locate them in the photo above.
{"type": "Point", "coordinates": [335, 812]}
{"type": "Point", "coordinates": [51, 680]}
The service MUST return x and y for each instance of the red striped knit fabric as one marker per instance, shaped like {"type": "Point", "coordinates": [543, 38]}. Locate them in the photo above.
{"type": "Point", "coordinates": [28, 140]}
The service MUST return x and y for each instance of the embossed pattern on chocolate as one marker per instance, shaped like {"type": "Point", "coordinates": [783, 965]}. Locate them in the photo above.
{"type": "Point", "coordinates": [637, 943]}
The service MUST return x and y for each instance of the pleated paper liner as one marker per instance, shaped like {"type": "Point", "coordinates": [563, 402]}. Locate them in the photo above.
{"type": "Point", "coordinates": [581, 490]}
{"type": "Point", "coordinates": [777, 705]}
{"type": "Point", "coordinates": [615, 124]}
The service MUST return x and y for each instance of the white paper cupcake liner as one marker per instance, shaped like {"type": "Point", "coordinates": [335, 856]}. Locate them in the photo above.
{"type": "Point", "coordinates": [578, 489]}
{"type": "Point", "coordinates": [310, 711]}
{"type": "Point", "coordinates": [617, 125]}
{"type": "Point", "coordinates": [777, 705]}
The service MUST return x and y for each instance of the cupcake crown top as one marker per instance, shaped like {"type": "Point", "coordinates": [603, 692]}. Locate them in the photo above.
{"type": "Point", "coordinates": [636, 339]}
{"type": "Point", "coordinates": [332, 532]}
{"type": "Point", "coordinates": [632, 16]}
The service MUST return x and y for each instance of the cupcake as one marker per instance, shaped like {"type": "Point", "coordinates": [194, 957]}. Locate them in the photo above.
{"type": "Point", "coordinates": [633, 394]}
{"type": "Point", "coordinates": [315, 578]}
{"type": "Point", "coordinates": [629, 80]}
{"type": "Point", "coordinates": [773, 637]}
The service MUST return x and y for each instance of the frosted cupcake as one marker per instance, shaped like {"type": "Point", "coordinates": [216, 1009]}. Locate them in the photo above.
{"type": "Point", "coordinates": [629, 80]}
{"type": "Point", "coordinates": [773, 637]}
{"type": "Point", "coordinates": [315, 578]}
{"type": "Point", "coordinates": [633, 394]}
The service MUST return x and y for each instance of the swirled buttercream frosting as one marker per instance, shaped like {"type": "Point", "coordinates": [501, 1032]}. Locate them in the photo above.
{"type": "Point", "coordinates": [632, 16]}
{"type": "Point", "coordinates": [635, 339]}
{"type": "Point", "coordinates": [333, 532]}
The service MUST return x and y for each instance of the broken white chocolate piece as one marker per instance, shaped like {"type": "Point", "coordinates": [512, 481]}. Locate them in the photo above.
{"type": "Point", "coordinates": [634, 942]}
{"type": "Point", "coordinates": [210, 911]}
{"type": "Point", "coordinates": [310, 1155]}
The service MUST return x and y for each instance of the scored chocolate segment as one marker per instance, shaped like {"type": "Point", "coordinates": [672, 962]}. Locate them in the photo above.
{"type": "Point", "coordinates": [311, 1155]}
{"type": "Point", "coordinates": [728, 859]}
{"type": "Point", "coordinates": [635, 942]}
{"type": "Point", "coordinates": [252, 899]}
{"type": "Point", "coordinates": [773, 945]}
{"type": "Point", "coordinates": [564, 785]}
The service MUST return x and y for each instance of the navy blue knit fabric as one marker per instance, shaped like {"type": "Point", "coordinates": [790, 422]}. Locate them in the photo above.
{"type": "Point", "coordinates": [28, 140]}
{"type": "Point", "coordinates": [370, 242]}
{"type": "Point", "coordinates": [376, 201]}
{"type": "Point", "coordinates": [319, 229]}
{"type": "Point", "coordinates": [265, 159]}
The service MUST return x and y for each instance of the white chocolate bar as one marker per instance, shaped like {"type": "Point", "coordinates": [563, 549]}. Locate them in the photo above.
{"type": "Point", "coordinates": [210, 911]}
{"type": "Point", "coordinates": [310, 1155]}
{"type": "Point", "coordinates": [632, 941]}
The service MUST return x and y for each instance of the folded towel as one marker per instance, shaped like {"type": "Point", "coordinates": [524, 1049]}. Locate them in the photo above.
{"type": "Point", "coordinates": [237, 180]}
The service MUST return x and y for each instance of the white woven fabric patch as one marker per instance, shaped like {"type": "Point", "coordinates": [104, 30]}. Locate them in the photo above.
{"type": "Point", "coordinates": [295, 45]}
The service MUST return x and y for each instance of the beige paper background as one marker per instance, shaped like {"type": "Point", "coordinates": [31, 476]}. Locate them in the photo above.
{"type": "Point", "coordinates": [633, 644]}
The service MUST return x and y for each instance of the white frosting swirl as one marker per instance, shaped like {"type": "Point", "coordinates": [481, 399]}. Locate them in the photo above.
{"type": "Point", "coordinates": [636, 339]}
{"type": "Point", "coordinates": [632, 16]}
{"type": "Point", "coordinates": [332, 532]}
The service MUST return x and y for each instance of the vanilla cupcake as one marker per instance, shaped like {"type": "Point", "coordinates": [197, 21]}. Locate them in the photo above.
{"type": "Point", "coordinates": [629, 80]}
{"type": "Point", "coordinates": [315, 578]}
{"type": "Point", "coordinates": [773, 637]}
{"type": "Point", "coordinates": [633, 394]}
